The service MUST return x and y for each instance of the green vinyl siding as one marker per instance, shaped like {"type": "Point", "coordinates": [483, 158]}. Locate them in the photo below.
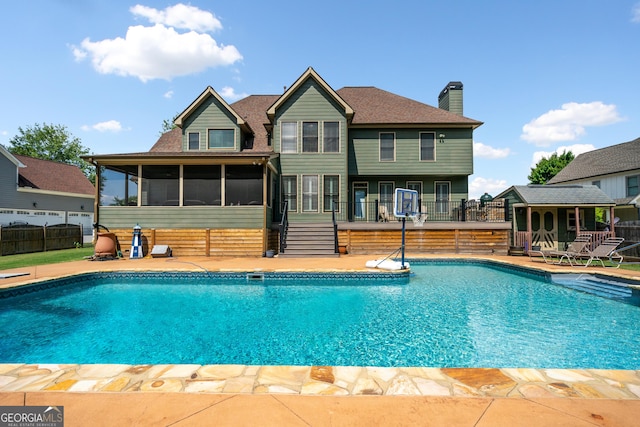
{"type": "Point", "coordinates": [310, 103]}
{"type": "Point", "coordinates": [210, 115]}
{"type": "Point", "coordinates": [453, 156]}
{"type": "Point", "coordinates": [214, 217]}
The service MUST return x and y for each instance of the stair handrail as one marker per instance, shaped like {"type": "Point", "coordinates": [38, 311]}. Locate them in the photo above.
{"type": "Point", "coordinates": [284, 226]}
{"type": "Point", "coordinates": [335, 226]}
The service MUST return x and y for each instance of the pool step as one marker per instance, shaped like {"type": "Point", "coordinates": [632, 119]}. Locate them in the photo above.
{"type": "Point", "coordinates": [595, 285]}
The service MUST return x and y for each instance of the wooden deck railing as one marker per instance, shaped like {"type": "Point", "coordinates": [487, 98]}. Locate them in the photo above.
{"type": "Point", "coordinates": [523, 239]}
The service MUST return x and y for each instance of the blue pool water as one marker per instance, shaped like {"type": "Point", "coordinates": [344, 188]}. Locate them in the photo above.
{"type": "Point", "coordinates": [444, 315]}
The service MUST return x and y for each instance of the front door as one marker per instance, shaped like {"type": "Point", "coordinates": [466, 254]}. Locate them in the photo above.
{"type": "Point", "coordinates": [544, 226]}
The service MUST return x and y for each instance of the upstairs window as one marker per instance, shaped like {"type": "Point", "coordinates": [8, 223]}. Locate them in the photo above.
{"type": "Point", "coordinates": [289, 137]}
{"type": "Point", "coordinates": [387, 147]}
{"type": "Point", "coordinates": [632, 185]}
{"type": "Point", "coordinates": [310, 137]}
{"type": "Point", "coordinates": [194, 141]}
{"type": "Point", "coordinates": [427, 146]}
{"type": "Point", "coordinates": [221, 138]}
{"type": "Point", "coordinates": [331, 137]}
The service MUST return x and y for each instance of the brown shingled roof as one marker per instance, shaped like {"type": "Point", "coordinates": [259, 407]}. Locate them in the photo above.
{"type": "Point", "coordinates": [53, 176]}
{"type": "Point", "coordinates": [370, 104]}
{"type": "Point", "coordinates": [253, 109]}
{"type": "Point", "coordinates": [169, 142]}
{"type": "Point", "coordinates": [376, 106]}
{"type": "Point", "coordinates": [605, 161]}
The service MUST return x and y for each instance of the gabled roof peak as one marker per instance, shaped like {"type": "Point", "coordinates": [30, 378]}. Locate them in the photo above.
{"type": "Point", "coordinates": [208, 92]}
{"type": "Point", "coordinates": [310, 73]}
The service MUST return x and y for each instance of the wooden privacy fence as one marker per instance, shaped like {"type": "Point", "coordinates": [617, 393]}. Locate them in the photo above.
{"type": "Point", "coordinates": [25, 238]}
{"type": "Point", "coordinates": [630, 230]}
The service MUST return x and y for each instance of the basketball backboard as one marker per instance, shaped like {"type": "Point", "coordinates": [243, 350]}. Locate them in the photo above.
{"type": "Point", "coordinates": [405, 203]}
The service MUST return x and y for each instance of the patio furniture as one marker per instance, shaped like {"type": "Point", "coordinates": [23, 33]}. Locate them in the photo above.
{"type": "Point", "coordinates": [575, 248]}
{"type": "Point", "coordinates": [605, 250]}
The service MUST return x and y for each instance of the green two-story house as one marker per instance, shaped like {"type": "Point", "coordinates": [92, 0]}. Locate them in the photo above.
{"type": "Point", "coordinates": [228, 175]}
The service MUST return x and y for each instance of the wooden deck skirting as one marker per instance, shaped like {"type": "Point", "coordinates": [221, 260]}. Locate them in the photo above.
{"type": "Point", "coordinates": [357, 240]}
{"type": "Point", "coordinates": [426, 241]}
{"type": "Point", "coordinates": [229, 242]}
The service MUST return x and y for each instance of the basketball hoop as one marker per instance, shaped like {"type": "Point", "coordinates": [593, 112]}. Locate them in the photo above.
{"type": "Point", "coordinates": [419, 219]}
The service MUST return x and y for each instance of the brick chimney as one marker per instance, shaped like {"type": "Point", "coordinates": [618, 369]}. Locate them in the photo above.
{"type": "Point", "coordinates": [450, 98]}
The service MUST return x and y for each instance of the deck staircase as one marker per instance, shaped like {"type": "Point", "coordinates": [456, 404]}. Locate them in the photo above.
{"type": "Point", "coordinates": [306, 240]}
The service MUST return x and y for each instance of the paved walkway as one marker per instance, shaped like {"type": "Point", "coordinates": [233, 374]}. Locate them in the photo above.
{"type": "Point", "coordinates": [186, 395]}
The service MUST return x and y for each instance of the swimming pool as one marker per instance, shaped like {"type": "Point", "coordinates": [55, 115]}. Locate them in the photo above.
{"type": "Point", "coordinates": [445, 315]}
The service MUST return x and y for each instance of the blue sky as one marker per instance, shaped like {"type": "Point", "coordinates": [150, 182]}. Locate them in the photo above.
{"type": "Point", "coordinates": [543, 76]}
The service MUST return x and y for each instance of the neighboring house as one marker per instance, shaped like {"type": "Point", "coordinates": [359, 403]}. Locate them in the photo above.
{"type": "Point", "coordinates": [43, 192]}
{"type": "Point", "coordinates": [222, 181]}
{"type": "Point", "coordinates": [545, 215]}
{"type": "Point", "coordinates": [615, 170]}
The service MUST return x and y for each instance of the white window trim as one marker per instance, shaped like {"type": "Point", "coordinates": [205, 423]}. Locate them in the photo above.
{"type": "Point", "coordinates": [282, 198]}
{"type": "Point", "coordinates": [339, 137]}
{"type": "Point", "coordinates": [393, 189]}
{"type": "Point", "coordinates": [435, 194]}
{"type": "Point", "coordinates": [303, 210]}
{"type": "Point", "coordinates": [297, 137]}
{"type": "Point", "coordinates": [188, 135]}
{"type": "Point", "coordinates": [221, 148]}
{"type": "Point", "coordinates": [420, 147]}
{"type": "Point", "coordinates": [380, 147]}
{"type": "Point", "coordinates": [318, 136]}
{"type": "Point", "coordinates": [339, 192]}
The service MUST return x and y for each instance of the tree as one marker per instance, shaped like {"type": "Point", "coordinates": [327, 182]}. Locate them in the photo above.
{"type": "Point", "coordinates": [547, 168]}
{"type": "Point", "coordinates": [168, 125]}
{"type": "Point", "coordinates": [52, 142]}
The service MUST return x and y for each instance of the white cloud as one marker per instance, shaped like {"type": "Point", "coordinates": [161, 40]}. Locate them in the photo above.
{"type": "Point", "coordinates": [180, 16]}
{"type": "Point", "coordinates": [168, 94]}
{"type": "Point", "coordinates": [108, 126]}
{"type": "Point", "coordinates": [481, 150]}
{"type": "Point", "coordinates": [159, 51]}
{"type": "Point", "coordinates": [575, 149]}
{"type": "Point", "coordinates": [635, 13]}
{"type": "Point", "coordinates": [568, 123]}
{"type": "Point", "coordinates": [479, 186]}
{"type": "Point", "coordinates": [229, 94]}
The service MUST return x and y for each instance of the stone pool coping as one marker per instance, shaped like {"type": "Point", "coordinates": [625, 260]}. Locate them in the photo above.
{"type": "Point", "coordinates": [324, 380]}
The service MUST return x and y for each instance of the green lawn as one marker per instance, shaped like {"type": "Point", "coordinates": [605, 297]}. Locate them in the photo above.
{"type": "Point", "coordinates": [41, 258]}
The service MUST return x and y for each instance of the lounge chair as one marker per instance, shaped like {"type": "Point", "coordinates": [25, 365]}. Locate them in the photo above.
{"type": "Point", "coordinates": [383, 214]}
{"type": "Point", "coordinates": [575, 248]}
{"type": "Point", "coordinates": [605, 250]}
